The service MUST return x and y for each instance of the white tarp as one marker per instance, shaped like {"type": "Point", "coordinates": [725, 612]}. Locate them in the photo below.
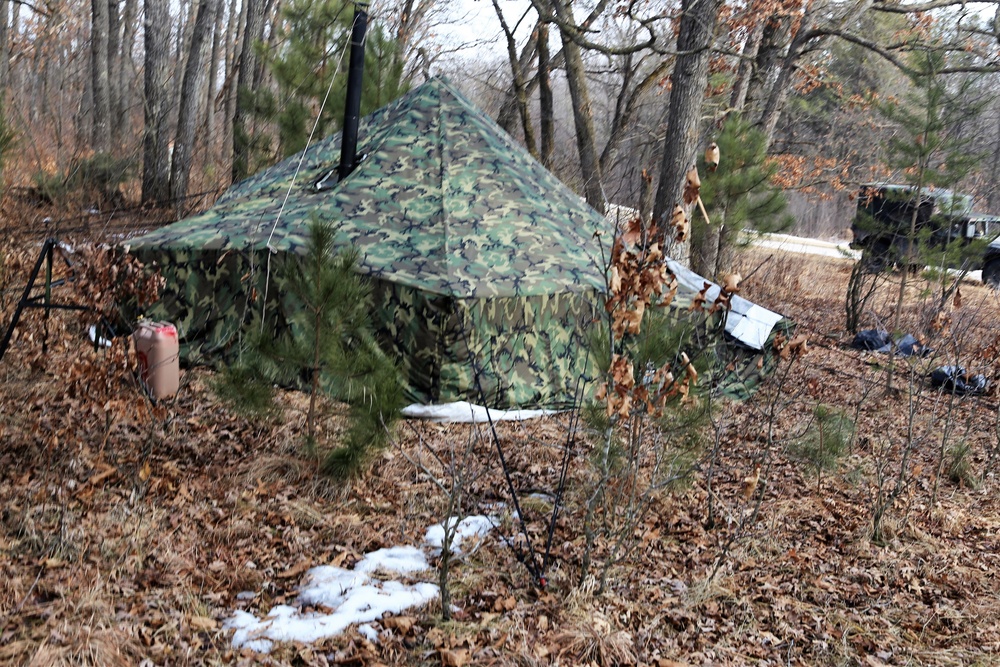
{"type": "Point", "coordinates": [746, 322]}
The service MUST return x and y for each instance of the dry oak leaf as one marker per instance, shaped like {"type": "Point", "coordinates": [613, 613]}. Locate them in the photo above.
{"type": "Point", "coordinates": [798, 346]}
{"type": "Point", "coordinates": [401, 623]}
{"type": "Point", "coordinates": [602, 392]}
{"type": "Point", "coordinates": [436, 637]}
{"type": "Point", "coordinates": [296, 569]}
{"type": "Point", "coordinates": [698, 302]}
{"type": "Point", "coordinates": [632, 232]}
{"type": "Point", "coordinates": [97, 478]}
{"type": "Point", "coordinates": [731, 283]}
{"type": "Point", "coordinates": [505, 604]}
{"type": "Point", "coordinates": [454, 657]}
{"type": "Point", "coordinates": [680, 224]}
{"type": "Point", "coordinates": [616, 280]}
{"type": "Point", "coordinates": [202, 623]}
{"type": "Point", "coordinates": [749, 483]}
{"type": "Point", "coordinates": [692, 186]}
{"type": "Point", "coordinates": [712, 156]}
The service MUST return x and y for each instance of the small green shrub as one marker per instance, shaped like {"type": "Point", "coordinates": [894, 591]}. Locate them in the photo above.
{"type": "Point", "coordinates": [957, 466]}
{"type": "Point", "coordinates": [826, 440]}
{"type": "Point", "coordinates": [328, 347]}
{"type": "Point", "coordinates": [245, 391]}
{"type": "Point", "coordinates": [96, 180]}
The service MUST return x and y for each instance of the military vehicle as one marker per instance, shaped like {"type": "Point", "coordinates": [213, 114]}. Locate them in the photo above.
{"type": "Point", "coordinates": [882, 225]}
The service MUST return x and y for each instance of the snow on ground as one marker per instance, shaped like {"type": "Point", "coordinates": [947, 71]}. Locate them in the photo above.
{"type": "Point", "coordinates": [471, 527]}
{"type": "Point", "coordinates": [95, 339]}
{"type": "Point", "coordinates": [356, 596]}
{"type": "Point", "coordinates": [464, 412]}
{"type": "Point", "coordinates": [840, 250]}
{"type": "Point", "coordinates": [805, 246]}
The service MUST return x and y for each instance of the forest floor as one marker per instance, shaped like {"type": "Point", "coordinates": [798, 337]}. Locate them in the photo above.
{"type": "Point", "coordinates": [131, 533]}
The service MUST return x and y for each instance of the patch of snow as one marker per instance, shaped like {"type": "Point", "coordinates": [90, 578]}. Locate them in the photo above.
{"type": "Point", "coordinates": [469, 527]}
{"type": "Point", "coordinates": [246, 625]}
{"type": "Point", "coordinates": [402, 560]}
{"type": "Point", "coordinates": [329, 585]}
{"type": "Point", "coordinates": [368, 632]}
{"type": "Point", "coordinates": [360, 604]}
{"type": "Point", "coordinates": [465, 412]}
{"type": "Point", "coordinates": [354, 596]}
{"type": "Point", "coordinates": [94, 338]}
{"type": "Point", "coordinates": [805, 246]}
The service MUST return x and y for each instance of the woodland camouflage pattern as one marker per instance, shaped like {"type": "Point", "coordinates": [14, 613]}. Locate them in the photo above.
{"type": "Point", "coordinates": [486, 270]}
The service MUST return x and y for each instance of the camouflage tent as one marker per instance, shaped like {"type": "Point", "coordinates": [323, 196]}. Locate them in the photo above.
{"type": "Point", "coordinates": [485, 268]}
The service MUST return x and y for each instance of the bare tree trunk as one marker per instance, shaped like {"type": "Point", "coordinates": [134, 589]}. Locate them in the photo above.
{"type": "Point", "coordinates": [690, 78]}
{"type": "Point", "coordinates": [805, 39]}
{"type": "Point", "coordinates": [627, 105]}
{"type": "Point", "coordinates": [100, 139]}
{"type": "Point", "coordinates": [646, 196]}
{"type": "Point", "coordinates": [529, 51]}
{"type": "Point", "coordinates": [726, 258]}
{"type": "Point", "coordinates": [546, 104]}
{"type": "Point", "coordinates": [5, 31]}
{"type": "Point", "coordinates": [125, 67]}
{"type": "Point", "coordinates": [185, 24]}
{"type": "Point", "coordinates": [746, 69]}
{"type": "Point", "coordinates": [272, 10]}
{"type": "Point", "coordinates": [777, 93]}
{"type": "Point", "coordinates": [994, 196]}
{"type": "Point", "coordinates": [586, 138]}
{"type": "Point", "coordinates": [704, 249]}
{"type": "Point", "coordinates": [412, 16]}
{"type": "Point", "coordinates": [213, 74]}
{"type": "Point", "coordinates": [155, 148]}
{"type": "Point", "coordinates": [114, 62]}
{"type": "Point", "coordinates": [246, 77]}
{"type": "Point", "coordinates": [767, 60]}
{"type": "Point", "coordinates": [508, 115]}
{"type": "Point", "coordinates": [232, 42]}
{"type": "Point", "coordinates": [15, 20]}
{"type": "Point", "coordinates": [520, 89]}
{"type": "Point", "coordinates": [187, 118]}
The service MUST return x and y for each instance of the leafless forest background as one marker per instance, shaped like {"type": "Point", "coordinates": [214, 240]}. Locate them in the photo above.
{"type": "Point", "coordinates": [151, 88]}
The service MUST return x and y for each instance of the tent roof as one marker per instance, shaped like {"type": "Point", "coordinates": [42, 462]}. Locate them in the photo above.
{"type": "Point", "coordinates": [443, 200]}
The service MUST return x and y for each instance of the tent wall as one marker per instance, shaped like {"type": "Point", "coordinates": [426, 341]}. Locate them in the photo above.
{"type": "Point", "coordinates": [411, 325]}
{"type": "Point", "coordinates": [207, 294]}
{"type": "Point", "coordinates": [526, 351]}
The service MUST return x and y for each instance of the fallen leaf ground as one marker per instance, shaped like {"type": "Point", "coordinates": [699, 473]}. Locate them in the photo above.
{"type": "Point", "coordinates": [128, 530]}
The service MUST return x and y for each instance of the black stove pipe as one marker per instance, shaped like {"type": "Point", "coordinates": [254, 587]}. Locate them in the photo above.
{"type": "Point", "coordinates": [352, 109]}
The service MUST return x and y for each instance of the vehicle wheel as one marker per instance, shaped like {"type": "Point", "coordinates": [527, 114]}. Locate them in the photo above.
{"type": "Point", "coordinates": [877, 257]}
{"type": "Point", "coordinates": [991, 273]}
